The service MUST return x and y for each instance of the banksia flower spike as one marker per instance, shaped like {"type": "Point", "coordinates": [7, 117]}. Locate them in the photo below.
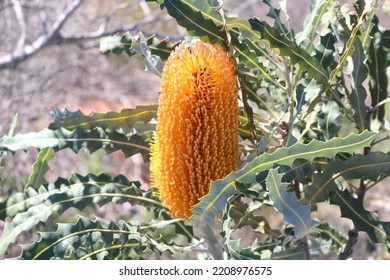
{"type": "Point", "coordinates": [196, 138]}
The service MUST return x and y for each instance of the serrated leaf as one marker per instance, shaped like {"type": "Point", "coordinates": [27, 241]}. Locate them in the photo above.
{"type": "Point", "coordinates": [77, 139]}
{"type": "Point", "coordinates": [33, 206]}
{"type": "Point", "coordinates": [221, 190]}
{"type": "Point", "coordinates": [39, 168]}
{"type": "Point", "coordinates": [249, 65]}
{"type": "Point", "coordinates": [377, 72]}
{"type": "Point", "coordinates": [244, 214]}
{"type": "Point", "coordinates": [358, 93]}
{"type": "Point", "coordinates": [198, 18]}
{"type": "Point", "coordinates": [371, 166]}
{"type": "Point", "coordinates": [251, 89]}
{"type": "Point", "coordinates": [287, 203]}
{"type": "Point", "coordinates": [328, 119]}
{"type": "Point", "coordinates": [110, 121]}
{"type": "Point", "coordinates": [325, 51]}
{"type": "Point", "coordinates": [269, 249]}
{"type": "Point", "coordinates": [363, 220]}
{"type": "Point", "coordinates": [312, 21]}
{"type": "Point", "coordinates": [337, 239]}
{"type": "Point", "coordinates": [275, 14]}
{"type": "Point", "coordinates": [291, 49]}
{"type": "Point", "coordinates": [368, 10]}
{"type": "Point", "coordinates": [95, 239]}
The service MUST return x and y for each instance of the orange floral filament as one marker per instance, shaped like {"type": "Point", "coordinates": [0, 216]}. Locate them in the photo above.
{"type": "Point", "coordinates": [196, 138]}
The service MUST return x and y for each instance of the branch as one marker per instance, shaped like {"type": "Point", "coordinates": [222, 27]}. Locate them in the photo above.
{"type": "Point", "coordinates": [352, 239]}
{"type": "Point", "coordinates": [305, 246]}
{"type": "Point", "coordinates": [22, 24]}
{"type": "Point", "coordinates": [101, 32]}
{"type": "Point", "coordinates": [20, 55]}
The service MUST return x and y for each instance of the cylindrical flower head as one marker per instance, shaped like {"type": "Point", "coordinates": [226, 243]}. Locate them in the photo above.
{"type": "Point", "coordinates": [196, 138]}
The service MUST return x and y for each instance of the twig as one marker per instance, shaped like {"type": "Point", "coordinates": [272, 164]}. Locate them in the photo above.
{"type": "Point", "coordinates": [305, 246]}
{"type": "Point", "coordinates": [28, 50]}
{"type": "Point", "coordinates": [363, 186]}
{"type": "Point", "coordinates": [102, 33]}
{"type": "Point", "coordinates": [352, 239]}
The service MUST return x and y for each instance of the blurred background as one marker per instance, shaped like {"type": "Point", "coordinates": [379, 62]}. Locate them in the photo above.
{"type": "Point", "coordinates": [50, 58]}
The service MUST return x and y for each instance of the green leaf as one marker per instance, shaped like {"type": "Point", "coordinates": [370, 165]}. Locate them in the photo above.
{"type": "Point", "coordinates": [251, 89]}
{"type": "Point", "coordinates": [358, 94]}
{"type": "Point", "coordinates": [329, 119]}
{"type": "Point", "coordinates": [40, 167]}
{"type": "Point", "coordinates": [198, 18]}
{"type": "Point", "coordinates": [327, 232]}
{"type": "Point", "coordinates": [269, 249]}
{"type": "Point", "coordinates": [249, 64]}
{"type": "Point", "coordinates": [34, 206]}
{"type": "Point", "coordinates": [221, 190]}
{"type": "Point", "coordinates": [77, 139]}
{"type": "Point", "coordinates": [368, 10]}
{"type": "Point", "coordinates": [312, 21]}
{"type": "Point", "coordinates": [363, 220]}
{"type": "Point", "coordinates": [386, 38]}
{"type": "Point", "coordinates": [291, 49]}
{"type": "Point", "coordinates": [325, 51]}
{"type": "Point", "coordinates": [96, 239]}
{"type": "Point", "coordinates": [110, 121]}
{"type": "Point", "coordinates": [243, 214]}
{"type": "Point", "coordinates": [370, 166]}
{"type": "Point", "coordinates": [287, 203]}
{"type": "Point", "coordinates": [275, 14]}
{"type": "Point", "coordinates": [377, 72]}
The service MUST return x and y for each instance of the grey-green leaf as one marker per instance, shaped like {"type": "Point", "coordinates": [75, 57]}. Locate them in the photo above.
{"type": "Point", "coordinates": [287, 203]}
{"type": "Point", "coordinates": [358, 94]}
{"type": "Point", "coordinates": [33, 206]}
{"type": "Point", "coordinates": [40, 167]}
{"type": "Point", "coordinates": [221, 190]}
{"type": "Point", "coordinates": [110, 121]}
{"type": "Point", "coordinates": [371, 166]}
{"type": "Point", "coordinates": [77, 139]}
{"type": "Point", "coordinates": [363, 220]}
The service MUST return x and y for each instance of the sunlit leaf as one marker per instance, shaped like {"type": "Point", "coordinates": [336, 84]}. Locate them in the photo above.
{"type": "Point", "coordinates": [36, 205]}
{"type": "Point", "coordinates": [312, 21]}
{"type": "Point", "coordinates": [96, 239]}
{"type": "Point", "coordinates": [290, 48]}
{"type": "Point", "coordinates": [110, 121]}
{"type": "Point", "coordinates": [40, 167]}
{"type": "Point", "coordinates": [77, 139]}
{"type": "Point", "coordinates": [221, 190]}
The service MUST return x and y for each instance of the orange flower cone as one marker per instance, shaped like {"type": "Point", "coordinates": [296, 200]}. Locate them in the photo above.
{"type": "Point", "coordinates": [196, 138]}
